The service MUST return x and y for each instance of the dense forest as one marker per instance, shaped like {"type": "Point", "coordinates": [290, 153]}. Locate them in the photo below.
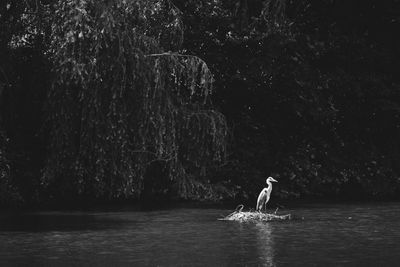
{"type": "Point", "coordinates": [139, 100]}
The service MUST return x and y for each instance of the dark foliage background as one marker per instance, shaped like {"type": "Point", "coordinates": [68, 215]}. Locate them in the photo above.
{"type": "Point", "coordinates": [310, 90]}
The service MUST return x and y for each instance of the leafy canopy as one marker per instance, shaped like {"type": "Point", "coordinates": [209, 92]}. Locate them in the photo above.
{"type": "Point", "coordinates": [122, 100]}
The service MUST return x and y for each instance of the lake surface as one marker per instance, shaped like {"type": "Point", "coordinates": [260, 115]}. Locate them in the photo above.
{"type": "Point", "coordinates": [324, 235]}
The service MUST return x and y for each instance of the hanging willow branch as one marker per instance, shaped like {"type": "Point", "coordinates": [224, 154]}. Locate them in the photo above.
{"type": "Point", "coordinates": [4, 166]}
{"type": "Point", "coordinates": [120, 102]}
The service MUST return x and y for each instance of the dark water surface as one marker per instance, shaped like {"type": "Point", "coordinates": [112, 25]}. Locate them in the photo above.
{"type": "Point", "coordinates": [325, 235]}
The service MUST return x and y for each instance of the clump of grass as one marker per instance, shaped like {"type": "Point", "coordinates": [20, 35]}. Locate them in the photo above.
{"type": "Point", "coordinates": [254, 216]}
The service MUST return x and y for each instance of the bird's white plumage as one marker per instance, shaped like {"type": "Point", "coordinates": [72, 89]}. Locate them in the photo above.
{"type": "Point", "coordinates": [265, 194]}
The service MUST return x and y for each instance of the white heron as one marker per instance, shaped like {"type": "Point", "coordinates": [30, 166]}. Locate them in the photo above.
{"type": "Point", "coordinates": [263, 197]}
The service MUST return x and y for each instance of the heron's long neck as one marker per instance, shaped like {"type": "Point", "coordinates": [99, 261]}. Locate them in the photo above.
{"type": "Point", "coordinates": [269, 185]}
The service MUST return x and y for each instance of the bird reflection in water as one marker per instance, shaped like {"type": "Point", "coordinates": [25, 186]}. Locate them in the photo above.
{"type": "Point", "coordinates": [265, 243]}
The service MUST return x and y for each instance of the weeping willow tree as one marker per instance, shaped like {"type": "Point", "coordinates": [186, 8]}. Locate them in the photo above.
{"type": "Point", "coordinates": [121, 100]}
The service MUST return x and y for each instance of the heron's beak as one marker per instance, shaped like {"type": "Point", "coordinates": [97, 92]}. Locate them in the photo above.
{"type": "Point", "coordinates": [273, 180]}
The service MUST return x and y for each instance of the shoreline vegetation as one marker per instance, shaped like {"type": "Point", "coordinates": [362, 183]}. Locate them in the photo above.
{"type": "Point", "coordinates": [157, 204]}
{"type": "Point", "coordinates": [141, 102]}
